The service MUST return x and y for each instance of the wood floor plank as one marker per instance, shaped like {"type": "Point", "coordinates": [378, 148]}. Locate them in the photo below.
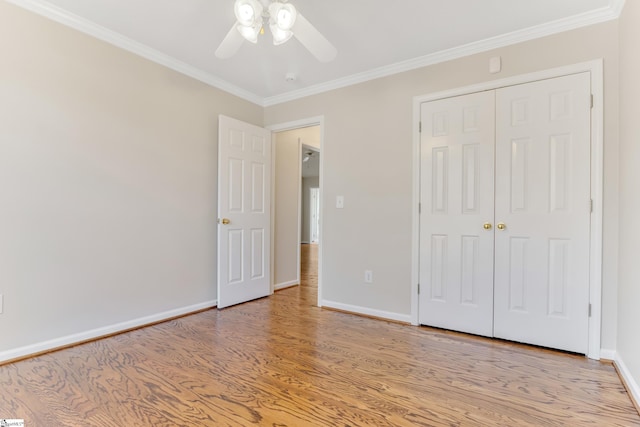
{"type": "Point", "coordinates": [282, 361]}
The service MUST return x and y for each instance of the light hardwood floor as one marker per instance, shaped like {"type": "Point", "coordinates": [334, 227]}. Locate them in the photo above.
{"type": "Point", "coordinates": [281, 361]}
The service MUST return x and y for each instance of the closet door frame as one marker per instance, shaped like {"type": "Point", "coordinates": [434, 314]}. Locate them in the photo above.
{"type": "Point", "coordinates": [595, 68]}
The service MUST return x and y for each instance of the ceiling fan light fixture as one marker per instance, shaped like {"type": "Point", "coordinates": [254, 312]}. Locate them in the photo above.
{"type": "Point", "coordinates": [283, 15]}
{"type": "Point", "coordinates": [248, 12]}
{"type": "Point", "coordinates": [283, 20]}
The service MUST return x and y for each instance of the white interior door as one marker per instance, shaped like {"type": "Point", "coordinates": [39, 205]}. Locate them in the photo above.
{"type": "Point", "coordinates": [456, 251]}
{"type": "Point", "coordinates": [244, 211]}
{"type": "Point", "coordinates": [543, 198]}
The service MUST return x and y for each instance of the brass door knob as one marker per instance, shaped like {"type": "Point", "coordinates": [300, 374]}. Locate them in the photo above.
{"type": "Point", "coordinates": [501, 226]}
{"type": "Point", "coordinates": [487, 226]}
{"type": "Point", "coordinates": [224, 221]}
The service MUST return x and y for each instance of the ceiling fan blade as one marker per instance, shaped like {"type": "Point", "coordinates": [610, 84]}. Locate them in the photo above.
{"type": "Point", "coordinates": [230, 44]}
{"type": "Point", "coordinates": [313, 40]}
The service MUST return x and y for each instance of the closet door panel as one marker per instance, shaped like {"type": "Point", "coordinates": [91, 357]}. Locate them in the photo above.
{"type": "Point", "coordinates": [542, 198]}
{"type": "Point", "coordinates": [456, 251]}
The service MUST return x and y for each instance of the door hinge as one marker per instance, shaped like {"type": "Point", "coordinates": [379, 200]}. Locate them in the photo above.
{"type": "Point", "coordinates": [419, 208]}
{"type": "Point", "coordinates": [420, 127]}
{"type": "Point", "coordinates": [418, 288]}
{"type": "Point", "coordinates": [589, 310]}
{"type": "Point", "coordinates": [591, 205]}
{"type": "Point", "coordinates": [591, 100]}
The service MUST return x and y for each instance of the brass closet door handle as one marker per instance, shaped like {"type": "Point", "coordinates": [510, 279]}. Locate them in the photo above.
{"type": "Point", "coordinates": [224, 221]}
{"type": "Point", "coordinates": [487, 226]}
{"type": "Point", "coordinates": [501, 226]}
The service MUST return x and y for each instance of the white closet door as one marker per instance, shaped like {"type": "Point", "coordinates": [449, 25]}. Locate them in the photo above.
{"type": "Point", "coordinates": [542, 198]}
{"type": "Point", "coordinates": [456, 251]}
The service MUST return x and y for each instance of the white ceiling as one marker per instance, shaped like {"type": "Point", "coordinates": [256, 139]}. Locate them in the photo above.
{"type": "Point", "coordinates": [373, 37]}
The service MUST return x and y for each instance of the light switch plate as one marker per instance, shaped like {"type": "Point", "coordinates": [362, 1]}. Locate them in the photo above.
{"type": "Point", "coordinates": [339, 202]}
{"type": "Point", "coordinates": [368, 276]}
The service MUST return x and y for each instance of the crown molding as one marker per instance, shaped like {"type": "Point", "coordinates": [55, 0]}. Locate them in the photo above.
{"type": "Point", "coordinates": [570, 23]}
{"type": "Point", "coordinates": [61, 16]}
{"type": "Point", "coordinates": [57, 14]}
{"type": "Point", "coordinates": [616, 7]}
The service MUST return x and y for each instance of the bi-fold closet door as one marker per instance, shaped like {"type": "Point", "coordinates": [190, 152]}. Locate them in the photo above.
{"type": "Point", "coordinates": [505, 213]}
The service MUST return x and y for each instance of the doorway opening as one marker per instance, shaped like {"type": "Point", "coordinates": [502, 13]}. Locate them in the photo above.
{"type": "Point", "coordinates": [297, 205]}
{"type": "Point", "coordinates": [310, 195]}
{"type": "Point", "coordinates": [314, 216]}
{"type": "Point", "coordinates": [309, 217]}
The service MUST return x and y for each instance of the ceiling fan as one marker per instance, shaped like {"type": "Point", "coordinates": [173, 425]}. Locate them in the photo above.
{"type": "Point", "coordinates": [308, 155]}
{"type": "Point", "coordinates": [283, 20]}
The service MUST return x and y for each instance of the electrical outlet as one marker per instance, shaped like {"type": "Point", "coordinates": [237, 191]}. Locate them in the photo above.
{"type": "Point", "coordinates": [368, 276]}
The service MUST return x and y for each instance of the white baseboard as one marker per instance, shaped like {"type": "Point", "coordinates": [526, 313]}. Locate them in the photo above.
{"type": "Point", "coordinates": [607, 354]}
{"type": "Point", "coordinates": [367, 311]}
{"type": "Point", "coordinates": [92, 334]}
{"type": "Point", "coordinates": [632, 384]}
{"type": "Point", "coordinates": [284, 285]}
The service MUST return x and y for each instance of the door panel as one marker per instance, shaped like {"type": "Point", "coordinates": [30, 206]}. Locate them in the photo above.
{"type": "Point", "coordinates": [456, 252]}
{"type": "Point", "coordinates": [542, 197]}
{"type": "Point", "coordinates": [244, 170]}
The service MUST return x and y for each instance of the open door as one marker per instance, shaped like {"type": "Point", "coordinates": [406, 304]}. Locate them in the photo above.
{"type": "Point", "coordinates": [244, 211]}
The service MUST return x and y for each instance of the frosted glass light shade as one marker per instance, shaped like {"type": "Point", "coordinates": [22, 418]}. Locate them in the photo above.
{"type": "Point", "coordinates": [283, 15]}
{"type": "Point", "coordinates": [248, 12]}
{"type": "Point", "coordinates": [286, 17]}
{"type": "Point", "coordinates": [279, 36]}
{"type": "Point", "coordinates": [250, 33]}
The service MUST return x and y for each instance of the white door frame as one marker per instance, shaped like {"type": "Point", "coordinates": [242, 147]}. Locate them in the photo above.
{"type": "Point", "coordinates": [595, 67]}
{"type": "Point", "coordinates": [297, 124]}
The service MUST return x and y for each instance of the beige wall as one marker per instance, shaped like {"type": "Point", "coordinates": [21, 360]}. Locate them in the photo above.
{"type": "Point", "coordinates": [108, 169]}
{"type": "Point", "coordinates": [309, 136]}
{"type": "Point", "coordinates": [287, 189]}
{"type": "Point", "coordinates": [367, 155]}
{"type": "Point", "coordinates": [629, 287]}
